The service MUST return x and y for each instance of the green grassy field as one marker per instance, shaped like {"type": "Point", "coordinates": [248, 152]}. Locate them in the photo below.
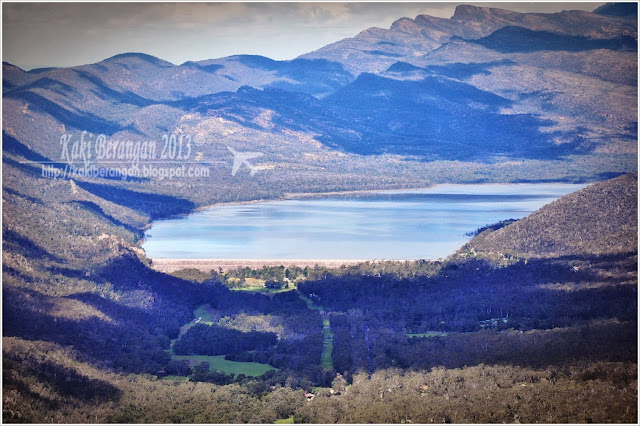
{"type": "Point", "coordinates": [218, 363]}
{"type": "Point", "coordinates": [288, 420]}
{"type": "Point", "coordinates": [262, 290]}
{"type": "Point", "coordinates": [256, 285]}
{"type": "Point", "coordinates": [205, 313]}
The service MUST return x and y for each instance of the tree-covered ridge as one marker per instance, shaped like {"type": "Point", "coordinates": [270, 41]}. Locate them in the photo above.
{"type": "Point", "coordinates": [584, 392]}
{"type": "Point", "coordinates": [599, 220]}
{"type": "Point", "coordinates": [534, 321]}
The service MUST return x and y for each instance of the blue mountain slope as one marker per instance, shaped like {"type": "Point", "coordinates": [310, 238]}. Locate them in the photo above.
{"type": "Point", "coordinates": [437, 118]}
{"type": "Point", "coordinates": [74, 119]}
{"type": "Point", "coordinates": [434, 118]}
{"type": "Point", "coordinates": [312, 76]}
{"type": "Point", "coordinates": [456, 70]}
{"type": "Point", "coordinates": [518, 39]}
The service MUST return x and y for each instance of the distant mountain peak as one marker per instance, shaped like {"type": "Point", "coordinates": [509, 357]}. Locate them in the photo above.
{"type": "Point", "coordinates": [626, 10]}
{"type": "Point", "coordinates": [190, 64]}
{"type": "Point", "coordinates": [465, 12]}
{"type": "Point", "coordinates": [6, 66]}
{"type": "Point", "coordinates": [141, 56]}
{"type": "Point", "coordinates": [403, 24]}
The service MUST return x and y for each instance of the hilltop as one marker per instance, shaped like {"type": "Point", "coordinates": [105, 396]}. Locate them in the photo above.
{"type": "Point", "coordinates": [533, 322]}
{"type": "Point", "coordinates": [601, 219]}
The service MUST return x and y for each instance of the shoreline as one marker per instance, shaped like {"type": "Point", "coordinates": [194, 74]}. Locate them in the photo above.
{"type": "Point", "coordinates": [301, 195]}
{"type": "Point", "coordinates": [206, 265]}
{"type": "Point", "coordinates": [286, 196]}
{"type": "Point", "coordinates": [297, 195]}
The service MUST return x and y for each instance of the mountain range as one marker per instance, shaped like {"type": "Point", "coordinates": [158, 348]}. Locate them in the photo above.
{"type": "Point", "coordinates": [485, 85]}
{"type": "Point", "coordinates": [532, 321]}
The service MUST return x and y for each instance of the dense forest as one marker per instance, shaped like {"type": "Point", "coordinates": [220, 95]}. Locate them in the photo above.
{"type": "Point", "coordinates": [400, 333]}
{"type": "Point", "coordinates": [531, 321]}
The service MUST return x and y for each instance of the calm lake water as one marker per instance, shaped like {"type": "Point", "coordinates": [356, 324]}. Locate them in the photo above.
{"type": "Point", "coordinates": [408, 224]}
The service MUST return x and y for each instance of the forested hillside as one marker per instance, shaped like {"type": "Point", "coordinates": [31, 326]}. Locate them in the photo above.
{"type": "Point", "coordinates": [523, 323]}
{"type": "Point", "coordinates": [531, 321]}
{"type": "Point", "coordinates": [598, 221]}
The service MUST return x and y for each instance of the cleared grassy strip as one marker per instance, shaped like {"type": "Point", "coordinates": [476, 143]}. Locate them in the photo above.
{"type": "Point", "coordinates": [309, 303]}
{"type": "Point", "coordinates": [256, 285]}
{"type": "Point", "coordinates": [288, 420]}
{"type": "Point", "coordinates": [175, 378]}
{"type": "Point", "coordinates": [326, 361]}
{"type": "Point", "coordinates": [218, 363]}
{"type": "Point", "coordinates": [427, 334]}
{"type": "Point", "coordinates": [204, 312]}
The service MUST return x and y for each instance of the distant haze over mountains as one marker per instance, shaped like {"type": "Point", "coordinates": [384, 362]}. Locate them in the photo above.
{"type": "Point", "coordinates": [540, 312]}
{"type": "Point", "coordinates": [82, 33]}
{"type": "Point", "coordinates": [415, 39]}
{"type": "Point", "coordinates": [485, 85]}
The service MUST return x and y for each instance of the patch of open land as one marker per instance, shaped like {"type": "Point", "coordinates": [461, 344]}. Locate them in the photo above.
{"type": "Point", "coordinates": [206, 265]}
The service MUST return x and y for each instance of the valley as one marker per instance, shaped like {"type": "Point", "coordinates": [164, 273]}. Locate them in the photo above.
{"type": "Point", "coordinates": [525, 321]}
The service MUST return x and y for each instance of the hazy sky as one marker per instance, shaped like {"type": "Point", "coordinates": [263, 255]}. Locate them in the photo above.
{"type": "Point", "coordinates": [65, 34]}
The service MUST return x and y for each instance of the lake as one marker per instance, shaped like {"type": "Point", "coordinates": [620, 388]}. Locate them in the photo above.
{"type": "Point", "coordinates": [405, 224]}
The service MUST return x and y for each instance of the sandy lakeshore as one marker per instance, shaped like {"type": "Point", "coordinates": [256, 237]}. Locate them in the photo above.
{"type": "Point", "coordinates": [171, 265]}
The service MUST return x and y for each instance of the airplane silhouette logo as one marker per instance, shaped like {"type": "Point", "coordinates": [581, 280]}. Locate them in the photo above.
{"type": "Point", "coordinates": [240, 158]}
